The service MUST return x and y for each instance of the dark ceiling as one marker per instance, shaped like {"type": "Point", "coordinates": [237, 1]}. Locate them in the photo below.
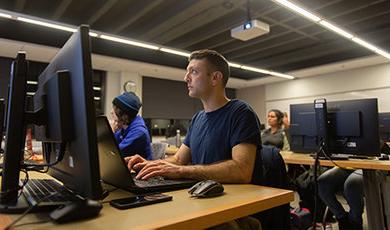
{"type": "Point", "coordinates": [293, 42]}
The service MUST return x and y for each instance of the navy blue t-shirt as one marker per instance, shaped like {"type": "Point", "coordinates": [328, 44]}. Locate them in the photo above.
{"type": "Point", "coordinates": [212, 135]}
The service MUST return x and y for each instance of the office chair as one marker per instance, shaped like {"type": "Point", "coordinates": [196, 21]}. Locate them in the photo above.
{"type": "Point", "coordinates": [158, 150]}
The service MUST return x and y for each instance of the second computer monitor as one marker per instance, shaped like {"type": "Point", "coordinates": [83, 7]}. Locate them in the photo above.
{"type": "Point", "coordinates": [352, 127]}
{"type": "Point", "coordinates": [384, 126]}
{"type": "Point", "coordinates": [2, 115]}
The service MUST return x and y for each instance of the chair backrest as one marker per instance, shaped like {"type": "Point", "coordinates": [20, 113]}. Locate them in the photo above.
{"type": "Point", "coordinates": [274, 168]}
{"type": "Point", "coordinates": [158, 150]}
{"type": "Point", "coordinates": [274, 175]}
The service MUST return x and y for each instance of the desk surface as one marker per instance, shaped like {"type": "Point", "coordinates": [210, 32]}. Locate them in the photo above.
{"type": "Point", "coordinates": [182, 212]}
{"type": "Point", "coordinates": [305, 159]}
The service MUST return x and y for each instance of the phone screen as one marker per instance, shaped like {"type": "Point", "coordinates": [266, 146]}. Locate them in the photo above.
{"type": "Point", "coordinates": [140, 200]}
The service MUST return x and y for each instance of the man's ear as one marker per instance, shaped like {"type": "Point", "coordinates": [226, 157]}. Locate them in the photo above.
{"type": "Point", "coordinates": [217, 78]}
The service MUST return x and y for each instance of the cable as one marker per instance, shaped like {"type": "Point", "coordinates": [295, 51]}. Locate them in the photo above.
{"type": "Point", "coordinates": [59, 158]}
{"type": "Point", "coordinates": [337, 165]}
{"type": "Point", "coordinates": [316, 165]}
{"type": "Point", "coordinates": [28, 211]}
{"type": "Point", "coordinates": [5, 193]}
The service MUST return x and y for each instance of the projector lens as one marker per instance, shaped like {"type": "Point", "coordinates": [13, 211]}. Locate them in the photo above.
{"type": "Point", "coordinates": [247, 25]}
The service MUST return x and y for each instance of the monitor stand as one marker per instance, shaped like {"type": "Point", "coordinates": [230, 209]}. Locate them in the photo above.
{"type": "Point", "coordinates": [20, 206]}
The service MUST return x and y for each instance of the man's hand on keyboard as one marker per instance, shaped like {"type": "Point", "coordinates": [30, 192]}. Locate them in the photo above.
{"type": "Point", "coordinates": [135, 162]}
{"type": "Point", "coordinates": [158, 168]}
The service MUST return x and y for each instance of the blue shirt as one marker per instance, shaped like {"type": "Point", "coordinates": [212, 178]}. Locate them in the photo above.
{"type": "Point", "coordinates": [134, 139]}
{"type": "Point", "coordinates": [212, 135]}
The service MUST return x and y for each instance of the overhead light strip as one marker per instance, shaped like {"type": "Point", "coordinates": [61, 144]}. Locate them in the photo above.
{"type": "Point", "coordinates": [97, 34]}
{"type": "Point", "coordinates": [332, 27]}
{"type": "Point", "coordinates": [46, 24]}
{"type": "Point", "coordinates": [177, 52]}
{"type": "Point", "coordinates": [5, 15]}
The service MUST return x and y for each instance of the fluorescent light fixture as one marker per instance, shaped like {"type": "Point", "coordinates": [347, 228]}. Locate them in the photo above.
{"type": "Point", "coordinates": [129, 42]}
{"type": "Point", "coordinates": [46, 24]}
{"type": "Point", "coordinates": [254, 69]}
{"type": "Point", "coordinates": [364, 44]}
{"type": "Point", "coordinates": [32, 82]}
{"type": "Point", "coordinates": [93, 34]}
{"type": "Point", "coordinates": [97, 88]}
{"type": "Point", "coordinates": [5, 15]}
{"type": "Point", "coordinates": [177, 52]}
{"type": "Point", "coordinates": [299, 10]}
{"type": "Point", "coordinates": [281, 75]}
{"type": "Point", "coordinates": [332, 27]}
{"type": "Point", "coordinates": [383, 53]}
{"type": "Point", "coordinates": [30, 93]}
{"type": "Point", "coordinates": [234, 65]}
{"type": "Point", "coordinates": [96, 98]}
{"type": "Point", "coordinates": [336, 29]}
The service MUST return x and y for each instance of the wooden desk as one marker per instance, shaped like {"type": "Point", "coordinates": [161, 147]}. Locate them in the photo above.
{"type": "Point", "coordinates": [181, 213]}
{"type": "Point", "coordinates": [373, 175]}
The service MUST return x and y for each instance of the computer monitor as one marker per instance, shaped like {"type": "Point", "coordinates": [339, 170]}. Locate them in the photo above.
{"type": "Point", "coordinates": [15, 131]}
{"type": "Point", "coordinates": [303, 128]}
{"type": "Point", "coordinates": [384, 126]}
{"type": "Point", "coordinates": [2, 106]}
{"type": "Point", "coordinates": [65, 114]}
{"type": "Point", "coordinates": [352, 127]}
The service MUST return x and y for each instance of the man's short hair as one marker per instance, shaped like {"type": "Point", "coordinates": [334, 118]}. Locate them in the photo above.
{"type": "Point", "coordinates": [216, 60]}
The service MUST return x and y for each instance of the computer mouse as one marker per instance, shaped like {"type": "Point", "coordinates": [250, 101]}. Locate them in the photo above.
{"type": "Point", "coordinates": [206, 188]}
{"type": "Point", "coordinates": [383, 157]}
{"type": "Point", "coordinates": [76, 210]}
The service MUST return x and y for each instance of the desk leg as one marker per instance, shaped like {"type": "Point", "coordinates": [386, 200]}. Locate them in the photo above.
{"type": "Point", "coordinates": [371, 180]}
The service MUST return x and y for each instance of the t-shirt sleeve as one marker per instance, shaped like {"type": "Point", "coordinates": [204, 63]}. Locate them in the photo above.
{"type": "Point", "coordinates": [245, 127]}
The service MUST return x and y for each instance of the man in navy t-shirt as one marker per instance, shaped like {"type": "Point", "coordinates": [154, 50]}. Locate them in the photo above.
{"type": "Point", "coordinates": [223, 142]}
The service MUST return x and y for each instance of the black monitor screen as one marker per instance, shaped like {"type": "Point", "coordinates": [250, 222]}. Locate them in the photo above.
{"type": "Point", "coordinates": [65, 114]}
{"type": "Point", "coordinates": [1, 121]}
{"type": "Point", "coordinates": [71, 116]}
{"type": "Point", "coordinates": [384, 127]}
{"type": "Point", "coordinates": [303, 129]}
{"type": "Point", "coordinates": [352, 127]}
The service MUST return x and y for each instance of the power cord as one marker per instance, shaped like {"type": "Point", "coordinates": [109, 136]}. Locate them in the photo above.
{"type": "Point", "coordinates": [316, 165]}
{"type": "Point", "coordinates": [59, 158]}
{"type": "Point", "coordinates": [28, 211]}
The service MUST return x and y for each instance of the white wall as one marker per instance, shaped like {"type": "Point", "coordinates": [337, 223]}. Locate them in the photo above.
{"type": "Point", "coordinates": [368, 82]}
{"type": "Point", "coordinates": [114, 86]}
{"type": "Point", "coordinates": [255, 96]}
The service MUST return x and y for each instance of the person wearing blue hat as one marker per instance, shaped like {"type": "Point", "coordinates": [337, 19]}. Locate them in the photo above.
{"type": "Point", "coordinates": [130, 129]}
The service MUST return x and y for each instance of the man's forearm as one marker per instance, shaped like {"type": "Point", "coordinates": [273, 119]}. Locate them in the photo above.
{"type": "Point", "coordinates": [226, 172]}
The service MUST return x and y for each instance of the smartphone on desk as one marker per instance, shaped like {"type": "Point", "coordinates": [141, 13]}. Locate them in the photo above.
{"type": "Point", "coordinates": [139, 200]}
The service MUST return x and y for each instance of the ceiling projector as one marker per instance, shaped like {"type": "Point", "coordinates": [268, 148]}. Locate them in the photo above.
{"type": "Point", "coordinates": [249, 30]}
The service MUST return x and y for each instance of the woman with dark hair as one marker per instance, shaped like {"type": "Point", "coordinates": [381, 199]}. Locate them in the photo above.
{"type": "Point", "coordinates": [275, 134]}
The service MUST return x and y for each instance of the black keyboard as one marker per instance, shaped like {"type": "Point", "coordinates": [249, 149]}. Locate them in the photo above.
{"type": "Point", "coordinates": [153, 181]}
{"type": "Point", "coordinates": [47, 192]}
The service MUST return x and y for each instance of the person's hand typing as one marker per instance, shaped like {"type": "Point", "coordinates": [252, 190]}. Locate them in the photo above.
{"type": "Point", "coordinates": [158, 168]}
{"type": "Point", "coordinates": [135, 162]}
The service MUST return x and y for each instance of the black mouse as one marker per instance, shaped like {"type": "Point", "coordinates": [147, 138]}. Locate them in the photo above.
{"type": "Point", "coordinates": [383, 157]}
{"type": "Point", "coordinates": [76, 210]}
{"type": "Point", "coordinates": [206, 188]}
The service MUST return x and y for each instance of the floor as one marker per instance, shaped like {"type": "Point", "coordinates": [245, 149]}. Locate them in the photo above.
{"type": "Point", "coordinates": [332, 226]}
